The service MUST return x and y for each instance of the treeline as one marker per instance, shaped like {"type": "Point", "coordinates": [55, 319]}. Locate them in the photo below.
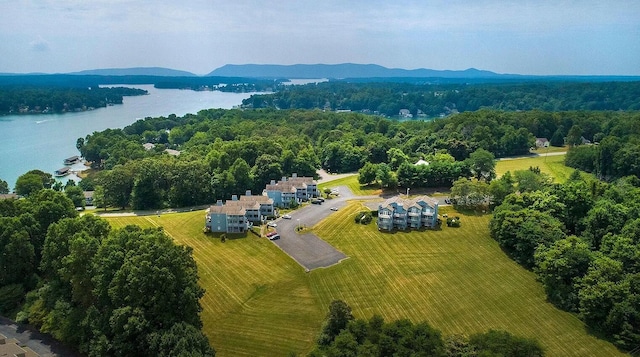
{"type": "Point", "coordinates": [21, 99]}
{"type": "Point", "coordinates": [233, 151]}
{"type": "Point", "coordinates": [436, 100]}
{"type": "Point", "coordinates": [225, 152]}
{"type": "Point", "coordinates": [123, 292]}
{"type": "Point", "coordinates": [343, 335]}
{"type": "Point", "coordinates": [582, 238]}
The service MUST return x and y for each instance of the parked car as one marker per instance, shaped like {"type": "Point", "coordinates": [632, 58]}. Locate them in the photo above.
{"type": "Point", "coordinates": [274, 237]}
{"type": "Point", "coordinates": [287, 216]}
{"type": "Point", "coordinates": [334, 208]}
{"type": "Point", "coordinates": [447, 201]}
{"type": "Point", "coordinates": [320, 199]}
{"type": "Point", "coordinates": [272, 224]}
{"type": "Point", "coordinates": [271, 234]}
{"type": "Point", "coordinates": [316, 202]}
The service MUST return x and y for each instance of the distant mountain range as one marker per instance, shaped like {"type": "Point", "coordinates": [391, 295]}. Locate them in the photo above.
{"type": "Point", "coordinates": [349, 71]}
{"type": "Point", "coordinates": [344, 70]}
{"type": "Point", "coordinates": [136, 71]}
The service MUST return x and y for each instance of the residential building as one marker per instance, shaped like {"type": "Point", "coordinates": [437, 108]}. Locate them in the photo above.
{"type": "Point", "coordinates": [398, 213]}
{"type": "Point", "coordinates": [12, 347]}
{"type": "Point", "coordinates": [226, 218]}
{"type": "Point", "coordinates": [542, 142]}
{"type": "Point", "coordinates": [405, 113]}
{"type": "Point", "coordinates": [295, 188]}
{"type": "Point", "coordinates": [88, 198]}
{"type": "Point", "coordinates": [265, 203]}
{"type": "Point", "coordinates": [238, 214]}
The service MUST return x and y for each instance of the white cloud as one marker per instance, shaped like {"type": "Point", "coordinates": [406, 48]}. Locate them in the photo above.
{"type": "Point", "coordinates": [39, 45]}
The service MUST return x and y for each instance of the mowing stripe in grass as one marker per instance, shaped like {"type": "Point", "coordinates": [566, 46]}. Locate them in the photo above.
{"type": "Point", "coordinates": [258, 301]}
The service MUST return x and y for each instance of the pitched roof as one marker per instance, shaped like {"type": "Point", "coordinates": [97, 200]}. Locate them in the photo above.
{"type": "Point", "coordinates": [230, 210]}
{"type": "Point", "coordinates": [245, 204]}
{"type": "Point", "coordinates": [406, 203]}
{"type": "Point", "coordinates": [259, 198]}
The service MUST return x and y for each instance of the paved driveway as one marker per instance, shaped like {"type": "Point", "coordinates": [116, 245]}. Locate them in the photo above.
{"type": "Point", "coordinates": [307, 249]}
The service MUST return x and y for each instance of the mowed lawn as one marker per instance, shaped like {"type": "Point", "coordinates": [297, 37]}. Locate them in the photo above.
{"type": "Point", "coordinates": [260, 302]}
{"type": "Point", "coordinates": [353, 184]}
{"type": "Point", "coordinates": [551, 165]}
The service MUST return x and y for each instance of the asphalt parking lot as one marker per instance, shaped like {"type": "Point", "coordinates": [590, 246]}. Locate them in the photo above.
{"type": "Point", "coordinates": [307, 249]}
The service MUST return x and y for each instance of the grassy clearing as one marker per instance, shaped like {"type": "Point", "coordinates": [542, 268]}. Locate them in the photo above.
{"type": "Point", "coordinates": [457, 279]}
{"type": "Point", "coordinates": [551, 165]}
{"type": "Point", "coordinates": [353, 184]}
{"type": "Point", "coordinates": [260, 302]}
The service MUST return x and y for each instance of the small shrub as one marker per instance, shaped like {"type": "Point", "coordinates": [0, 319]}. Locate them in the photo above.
{"type": "Point", "coordinates": [363, 217]}
{"type": "Point", "coordinates": [453, 222]}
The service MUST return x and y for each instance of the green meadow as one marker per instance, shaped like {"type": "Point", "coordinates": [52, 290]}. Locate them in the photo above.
{"type": "Point", "coordinates": [259, 302]}
{"type": "Point", "coordinates": [551, 165]}
{"type": "Point", "coordinates": [353, 184]}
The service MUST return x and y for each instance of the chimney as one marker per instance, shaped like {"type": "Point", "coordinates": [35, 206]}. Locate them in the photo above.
{"type": "Point", "coordinates": [294, 175]}
{"type": "Point", "coordinates": [273, 182]}
{"type": "Point", "coordinates": [284, 179]}
{"type": "Point", "coordinates": [248, 193]}
{"type": "Point", "coordinates": [234, 197]}
{"type": "Point", "coordinates": [219, 203]}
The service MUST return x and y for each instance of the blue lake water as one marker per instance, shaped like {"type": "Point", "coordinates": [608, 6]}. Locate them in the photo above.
{"type": "Point", "coordinates": [43, 141]}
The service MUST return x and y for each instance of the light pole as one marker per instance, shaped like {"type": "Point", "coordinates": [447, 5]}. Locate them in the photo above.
{"type": "Point", "coordinates": [408, 192]}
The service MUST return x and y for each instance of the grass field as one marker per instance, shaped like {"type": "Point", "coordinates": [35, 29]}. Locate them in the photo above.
{"type": "Point", "coordinates": [353, 184]}
{"type": "Point", "coordinates": [259, 302]}
{"type": "Point", "coordinates": [551, 165]}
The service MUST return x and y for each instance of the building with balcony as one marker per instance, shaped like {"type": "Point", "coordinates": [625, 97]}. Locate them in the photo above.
{"type": "Point", "coordinates": [416, 213]}
{"type": "Point", "coordinates": [291, 189]}
{"type": "Point", "coordinates": [238, 214]}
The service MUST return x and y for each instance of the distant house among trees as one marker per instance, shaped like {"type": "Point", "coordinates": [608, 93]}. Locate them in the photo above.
{"type": "Point", "coordinates": [405, 113]}
{"type": "Point", "coordinates": [397, 213]}
{"type": "Point", "coordinates": [542, 143]}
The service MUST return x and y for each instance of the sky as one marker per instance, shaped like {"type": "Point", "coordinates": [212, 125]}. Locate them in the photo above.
{"type": "Point", "coordinates": [543, 37]}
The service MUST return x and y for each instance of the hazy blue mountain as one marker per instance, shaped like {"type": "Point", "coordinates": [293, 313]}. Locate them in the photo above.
{"type": "Point", "coordinates": [344, 70]}
{"type": "Point", "coordinates": [136, 71]}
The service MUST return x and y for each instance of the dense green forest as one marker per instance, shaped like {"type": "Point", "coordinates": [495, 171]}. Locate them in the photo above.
{"type": "Point", "coordinates": [21, 99]}
{"type": "Point", "coordinates": [429, 100]}
{"type": "Point", "coordinates": [617, 153]}
{"type": "Point", "coordinates": [124, 292]}
{"type": "Point", "coordinates": [343, 335]}
{"type": "Point", "coordinates": [225, 152]}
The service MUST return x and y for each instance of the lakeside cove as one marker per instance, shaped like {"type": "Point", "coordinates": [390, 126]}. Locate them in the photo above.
{"type": "Point", "coordinates": [43, 141]}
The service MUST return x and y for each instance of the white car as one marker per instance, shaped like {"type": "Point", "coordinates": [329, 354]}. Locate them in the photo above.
{"type": "Point", "coordinates": [272, 224]}
{"type": "Point", "coordinates": [334, 208]}
{"type": "Point", "coordinates": [287, 216]}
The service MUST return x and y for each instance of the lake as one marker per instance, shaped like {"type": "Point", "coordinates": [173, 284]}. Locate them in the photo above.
{"type": "Point", "coordinates": [43, 141]}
